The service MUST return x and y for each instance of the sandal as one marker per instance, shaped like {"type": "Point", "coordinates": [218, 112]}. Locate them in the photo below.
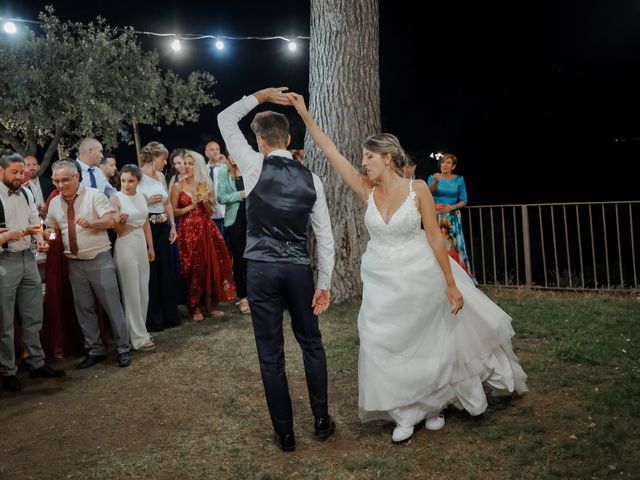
{"type": "Point", "coordinates": [215, 313]}
{"type": "Point", "coordinates": [243, 305]}
{"type": "Point", "coordinates": [149, 346]}
{"type": "Point", "coordinates": [198, 317]}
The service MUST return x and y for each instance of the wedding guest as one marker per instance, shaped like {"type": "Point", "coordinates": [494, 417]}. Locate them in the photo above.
{"type": "Point", "coordinates": [40, 185]}
{"type": "Point", "coordinates": [61, 334]}
{"type": "Point", "coordinates": [109, 168]}
{"type": "Point", "coordinates": [20, 283]}
{"type": "Point", "coordinates": [231, 194]}
{"type": "Point", "coordinates": [90, 154]}
{"type": "Point", "coordinates": [214, 162]}
{"type": "Point", "coordinates": [176, 160]}
{"type": "Point", "coordinates": [450, 195]}
{"type": "Point", "coordinates": [133, 252]}
{"type": "Point", "coordinates": [163, 302]}
{"type": "Point", "coordinates": [204, 260]}
{"type": "Point", "coordinates": [83, 215]}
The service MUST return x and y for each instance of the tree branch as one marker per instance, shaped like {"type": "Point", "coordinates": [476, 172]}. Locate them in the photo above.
{"type": "Point", "coordinates": [52, 148]}
{"type": "Point", "coordinates": [7, 136]}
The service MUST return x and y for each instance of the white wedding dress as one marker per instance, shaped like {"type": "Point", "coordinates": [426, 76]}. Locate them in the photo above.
{"type": "Point", "coordinates": [416, 357]}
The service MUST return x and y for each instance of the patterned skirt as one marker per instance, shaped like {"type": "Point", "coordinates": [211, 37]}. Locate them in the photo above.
{"type": "Point", "coordinates": [451, 227]}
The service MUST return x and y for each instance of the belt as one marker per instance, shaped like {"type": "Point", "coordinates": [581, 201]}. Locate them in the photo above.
{"type": "Point", "coordinates": [21, 252]}
{"type": "Point", "coordinates": [158, 217]}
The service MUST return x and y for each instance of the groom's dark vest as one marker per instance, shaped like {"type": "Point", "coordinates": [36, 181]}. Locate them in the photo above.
{"type": "Point", "coordinates": [278, 210]}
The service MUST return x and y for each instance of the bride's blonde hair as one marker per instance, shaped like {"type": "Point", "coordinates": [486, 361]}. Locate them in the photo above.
{"type": "Point", "coordinates": [386, 143]}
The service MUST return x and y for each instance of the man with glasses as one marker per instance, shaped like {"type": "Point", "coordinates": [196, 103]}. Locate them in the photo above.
{"type": "Point", "coordinates": [20, 283]}
{"type": "Point", "coordinates": [90, 154]}
{"type": "Point", "coordinates": [83, 215]}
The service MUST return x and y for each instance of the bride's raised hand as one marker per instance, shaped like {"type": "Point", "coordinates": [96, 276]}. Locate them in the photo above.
{"type": "Point", "coordinates": [455, 299]}
{"type": "Point", "coordinates": [298, 102]}
{"type": "Point", "coordinates": [275, 95]}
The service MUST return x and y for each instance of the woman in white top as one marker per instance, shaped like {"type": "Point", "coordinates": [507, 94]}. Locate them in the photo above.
{"type": "Point", "coordinates": [132, 253]}
{"type": "Point", "coordinates": [163, 302]}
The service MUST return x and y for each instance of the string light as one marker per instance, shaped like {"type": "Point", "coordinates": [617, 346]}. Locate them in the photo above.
{"type": "Point", "coordinates": [176, 44]}
{"type": "Point", "coordinates": [9, 27]}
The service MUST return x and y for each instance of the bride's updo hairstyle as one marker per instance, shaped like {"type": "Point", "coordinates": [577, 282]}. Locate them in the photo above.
{"type": "Point", "coordinates": [151, 151]}
{"type": "Point", "coordinates": [385, 143]}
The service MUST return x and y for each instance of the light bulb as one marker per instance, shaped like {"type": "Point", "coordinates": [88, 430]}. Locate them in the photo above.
{"type": "Point", "coordinates": [10, 27]}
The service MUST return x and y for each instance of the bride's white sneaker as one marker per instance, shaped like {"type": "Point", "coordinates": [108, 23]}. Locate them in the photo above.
{"type": "Point", "coordinates": [435, 423]}
{"type": "Point", "coordinates": [400, 434]}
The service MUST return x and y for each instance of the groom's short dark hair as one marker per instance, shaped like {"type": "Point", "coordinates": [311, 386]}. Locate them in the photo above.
{"type": "Point", "coordinates": [273, 127]}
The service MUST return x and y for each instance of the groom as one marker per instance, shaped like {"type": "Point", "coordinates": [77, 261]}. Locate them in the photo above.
{"type": "Point", "coordinates": [282, 196]}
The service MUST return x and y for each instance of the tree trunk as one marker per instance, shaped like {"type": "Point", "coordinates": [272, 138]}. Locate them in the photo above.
{"type": "Point", "coordinates": [344, 88]}
{"type": "Point", "coordinates": [136, 138]}
{"type": "Point", "coordinates": [51, 149]}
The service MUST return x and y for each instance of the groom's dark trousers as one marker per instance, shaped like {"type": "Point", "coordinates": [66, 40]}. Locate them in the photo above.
{"type": "Point", "coordinates": [271, 286]}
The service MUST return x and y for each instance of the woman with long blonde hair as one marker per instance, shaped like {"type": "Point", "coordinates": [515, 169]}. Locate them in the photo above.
{"type": "Point", "coordinates": [204, 260]}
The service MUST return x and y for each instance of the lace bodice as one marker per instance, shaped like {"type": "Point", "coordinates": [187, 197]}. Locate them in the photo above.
{"type": "Point", "coordinates": [389, 239]}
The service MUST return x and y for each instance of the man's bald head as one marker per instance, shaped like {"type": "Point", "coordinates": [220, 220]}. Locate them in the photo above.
{"type": "Point", "coordinates": [90, 152]}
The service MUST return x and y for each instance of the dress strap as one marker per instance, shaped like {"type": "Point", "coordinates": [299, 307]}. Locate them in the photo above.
{"type": "Point", "coordinates": [411, 187]}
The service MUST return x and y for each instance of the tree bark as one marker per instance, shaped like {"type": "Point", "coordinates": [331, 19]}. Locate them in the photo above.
{"type": "Point", "coordinates": [344, 88]}
{"type": "Point", "coordinates": [51, 149]}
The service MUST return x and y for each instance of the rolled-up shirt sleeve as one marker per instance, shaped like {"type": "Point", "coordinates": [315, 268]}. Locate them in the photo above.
{"type": "Point", "coordinates": [102, 205]}
{"type": "Point", "coordinates": [321, 223]}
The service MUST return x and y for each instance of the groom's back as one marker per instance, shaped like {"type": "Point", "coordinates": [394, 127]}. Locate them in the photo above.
{"type": "Point", "coordinates": [278, 210]}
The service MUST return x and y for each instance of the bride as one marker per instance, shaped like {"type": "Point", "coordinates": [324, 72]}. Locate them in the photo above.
{"type": "Point", "coordinates": [420, 350]}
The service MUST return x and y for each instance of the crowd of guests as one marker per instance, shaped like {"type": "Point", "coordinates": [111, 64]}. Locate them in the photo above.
{"type": "Point", "coordinates": [128, 246]}
{"type": "Point", "coordinates": [131, 245]}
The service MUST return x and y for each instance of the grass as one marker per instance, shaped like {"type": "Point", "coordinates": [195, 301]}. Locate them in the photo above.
{"type": "Point", "coordinates": [196, 410]}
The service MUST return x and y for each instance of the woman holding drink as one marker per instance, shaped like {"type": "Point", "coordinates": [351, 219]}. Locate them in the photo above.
{"type": "Point", "coordinates": [204, 260]}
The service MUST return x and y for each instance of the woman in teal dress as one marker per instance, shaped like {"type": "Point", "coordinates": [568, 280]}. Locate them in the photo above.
{"type": "Point", "coordinates": [450, 195]}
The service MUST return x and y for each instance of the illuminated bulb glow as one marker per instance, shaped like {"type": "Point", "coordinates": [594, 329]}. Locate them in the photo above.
{"type": "Point", "coordinates": [9, 27]}
{"type": "Point", "coordinates": [219, 44]}
{"type": "Point", "coordinates": [175, 45]}
{"type": "Point", "coordinates": [292, 46]}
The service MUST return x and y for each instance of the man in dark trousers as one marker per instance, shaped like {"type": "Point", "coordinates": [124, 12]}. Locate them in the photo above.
{"type": "Point", "coordinates": [282, 196]}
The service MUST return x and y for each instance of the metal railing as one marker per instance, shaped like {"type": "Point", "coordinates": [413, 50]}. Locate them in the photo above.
{"type": "Point", "coordinates": [575, 246]}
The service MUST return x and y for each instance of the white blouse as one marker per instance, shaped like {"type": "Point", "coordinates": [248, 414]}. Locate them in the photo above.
{"type": "Point", "coordinates": [135, 206]}
{"type": "Point", "coordinates": [148, 187]}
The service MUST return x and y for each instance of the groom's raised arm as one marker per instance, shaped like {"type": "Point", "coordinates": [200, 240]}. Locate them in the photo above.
{"type": "Point", "coordinates": [249, 161]}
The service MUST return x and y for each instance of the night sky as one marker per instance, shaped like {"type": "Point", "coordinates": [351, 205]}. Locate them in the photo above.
{"type": "Point", "coordinates": [531, 97]}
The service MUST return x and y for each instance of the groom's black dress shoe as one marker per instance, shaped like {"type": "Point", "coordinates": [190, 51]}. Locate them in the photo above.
{"type": "Point", "coordinates": [324, 427]}
{"type": "Point", "coordinates": [286, 441]}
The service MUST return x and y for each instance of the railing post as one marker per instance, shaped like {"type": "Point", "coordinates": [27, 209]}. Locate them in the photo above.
{"type": "Point", "coordinates": [526, 246]}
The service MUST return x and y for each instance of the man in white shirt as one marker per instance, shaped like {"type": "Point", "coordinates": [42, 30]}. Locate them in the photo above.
{"type": "Point", "coordinates": [20, 283]}
{"type": "Point", "coordinates": [83, 215]}
{"type": "Point", "coordinates": [212, 152]}
{"type": "Point", "coordinates": [40, 185]}
{"type": "Point", "coordinates": [90, 153]}
{"type": "Point", "coordinates": [282, 197]}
